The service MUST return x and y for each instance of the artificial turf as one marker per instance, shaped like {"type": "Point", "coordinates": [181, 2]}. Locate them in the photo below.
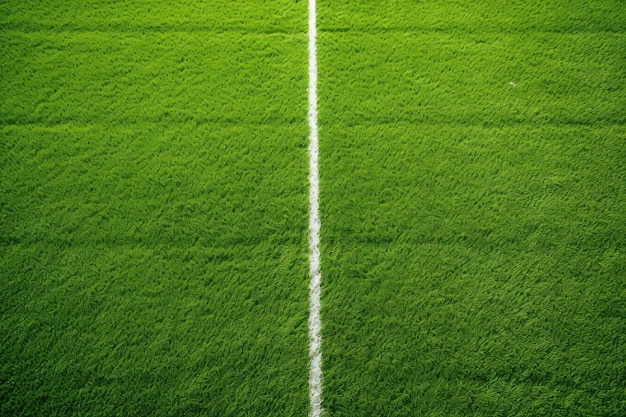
{"type": "Point", "coordinates": [153, 208]}
{"type": "Point", "coordinates": [473, 177]}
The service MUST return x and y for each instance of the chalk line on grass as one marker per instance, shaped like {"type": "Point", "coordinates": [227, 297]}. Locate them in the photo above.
{"type": "Point", "coordinates": [315, 323]}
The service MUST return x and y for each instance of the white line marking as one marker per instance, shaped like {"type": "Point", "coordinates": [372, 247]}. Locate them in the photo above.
{"type": "Point", "coordinates": [315, 323]}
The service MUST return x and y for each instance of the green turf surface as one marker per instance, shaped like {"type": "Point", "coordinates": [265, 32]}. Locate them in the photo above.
{"type": "Point", "coordinates": [474, 231]}
{"type": "Point", "coordinates": [153, 208]}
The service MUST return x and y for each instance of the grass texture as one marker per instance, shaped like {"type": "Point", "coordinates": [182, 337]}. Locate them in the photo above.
{"type": "Point", "coordinates": [153, 208]}
{"type": "Point", "coordinates": [473, 177]}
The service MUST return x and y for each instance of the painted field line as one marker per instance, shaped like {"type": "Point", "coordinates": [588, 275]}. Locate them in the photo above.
{"type": "Point", "coordinates": [315, 275]}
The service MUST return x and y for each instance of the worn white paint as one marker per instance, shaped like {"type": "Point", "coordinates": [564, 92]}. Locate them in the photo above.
{"type": "Point", "coordinates": [315, 324]}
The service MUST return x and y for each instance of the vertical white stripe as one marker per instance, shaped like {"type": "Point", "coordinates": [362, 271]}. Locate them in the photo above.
{"type": "Point", "coordinates": [315, 324]}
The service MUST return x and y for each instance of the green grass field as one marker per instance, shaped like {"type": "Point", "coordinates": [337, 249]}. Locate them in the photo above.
{"type": "Point", "coordinates": [154, 208]}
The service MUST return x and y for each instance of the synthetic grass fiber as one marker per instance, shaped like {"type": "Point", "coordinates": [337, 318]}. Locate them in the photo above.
{"type": "Point", "coordinates": [473, 187]}
{"type": "Point", "coordinates": [154, 208]}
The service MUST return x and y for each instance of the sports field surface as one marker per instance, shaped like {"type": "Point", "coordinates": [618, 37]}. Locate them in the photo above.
{"type": "Point", "coordinates": [154, 207]}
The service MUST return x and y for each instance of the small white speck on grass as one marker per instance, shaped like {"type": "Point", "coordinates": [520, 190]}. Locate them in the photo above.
{"type": "Point", "coordinates": [512, 84]}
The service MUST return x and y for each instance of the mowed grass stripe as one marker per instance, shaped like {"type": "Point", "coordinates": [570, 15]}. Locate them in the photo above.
{"type": "Point", "coordinates": [473, 231]}
{"type": "Point", "coordinates": [154, 211]}
{"type": "Point", "coordinates": [463, 78]}
{"type": "Point", "coordinates": [124, 79]}
{"type": "Point", "coordinates": [154, 16]}
{"type": "Point", "coordinates": [482, 16]}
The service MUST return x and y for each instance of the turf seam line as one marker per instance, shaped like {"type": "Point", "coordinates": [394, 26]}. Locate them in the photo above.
{"type": "Point", "coordinates": [315, 324]}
